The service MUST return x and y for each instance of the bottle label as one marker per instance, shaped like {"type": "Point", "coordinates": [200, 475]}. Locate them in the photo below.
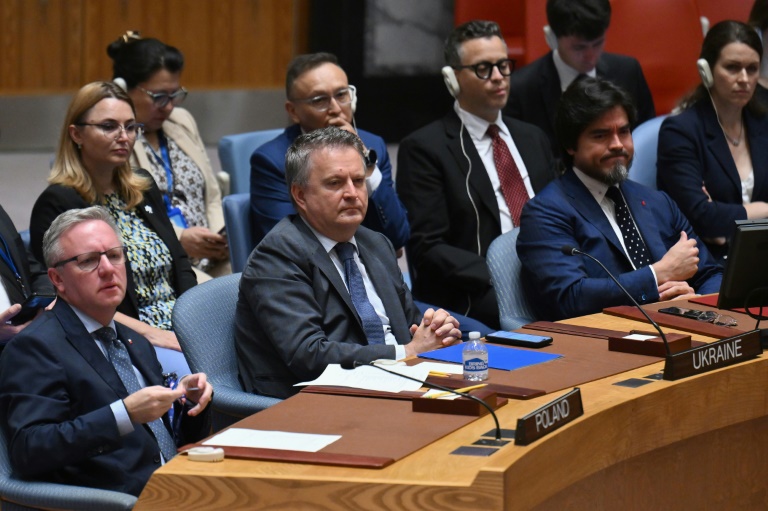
{"type": "Point", "coordinates": [475, 365]}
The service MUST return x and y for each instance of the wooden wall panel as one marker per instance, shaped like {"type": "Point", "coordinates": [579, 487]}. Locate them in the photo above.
{"type": "Point", "coordinates": [59, 45]}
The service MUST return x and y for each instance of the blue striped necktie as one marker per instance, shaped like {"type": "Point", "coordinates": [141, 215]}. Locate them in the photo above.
{"type": "Point", "coordinates": [374, 330]}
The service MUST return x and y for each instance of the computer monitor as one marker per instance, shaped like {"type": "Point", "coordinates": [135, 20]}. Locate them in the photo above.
{"type": "Point", "coordinates": [746, 273]}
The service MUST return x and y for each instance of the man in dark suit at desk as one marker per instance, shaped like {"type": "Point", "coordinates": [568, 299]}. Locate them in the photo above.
{"type": "Point", "coordinates": [322, 289]}
{"type": "Point", "coordinates": [82, 399]}
{"type": "Point", "coordinates": [318, 94]}
{"type": "Point", "coordinates": [20, 276]}
{"type": "Point", "coordinates": [638, 233]}
{"type": "Point", "coordinates": [577, 37]}
{"type": "Point", "coordinates": [464, 178]}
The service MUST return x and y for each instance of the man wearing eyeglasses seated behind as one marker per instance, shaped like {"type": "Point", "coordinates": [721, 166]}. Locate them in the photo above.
{"type": "Point", "coordinates": [465, 178]}
{"type": "Point", "coordinates": [318, 95]}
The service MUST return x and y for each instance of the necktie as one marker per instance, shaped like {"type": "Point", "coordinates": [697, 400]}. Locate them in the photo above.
{"type": "Point", "coordinates": [372, 326]}
{"type": "Point", "coordinates": [512, 186]}
{"type": "Point", "coordinates": [120, 359]}
{"type": "Point", "coordinates": [633, 242]}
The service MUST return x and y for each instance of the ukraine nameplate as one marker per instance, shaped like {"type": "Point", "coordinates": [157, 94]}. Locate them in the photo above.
{"type": "Point", "coordinates": [548, 418]}
{"type": "Point", "coordinates": [714, 355]}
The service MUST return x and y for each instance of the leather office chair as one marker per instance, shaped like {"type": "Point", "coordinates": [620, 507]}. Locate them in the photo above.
{"type": "Point", "coordinates": [646, 140]}
{"type": "Point", "coordinates": [237, 219]}
{"type": "Point", "coordinates": [19, 495]}
{"type": "Point", "coordinates": [204, 322]}
{"type": "Point", "coordinates": [235, 155]}
{"type": "Point", "coordinates": [504, 266]}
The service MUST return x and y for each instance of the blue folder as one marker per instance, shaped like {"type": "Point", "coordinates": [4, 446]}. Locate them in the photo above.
{"type": "Point", "coordinates": [499, 357]}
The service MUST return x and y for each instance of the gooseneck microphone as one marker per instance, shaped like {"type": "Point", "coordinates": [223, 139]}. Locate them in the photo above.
{"type": "Point", "coordinates": [352, 365]}
{"type": "Point", "coordinates": [569, 251]}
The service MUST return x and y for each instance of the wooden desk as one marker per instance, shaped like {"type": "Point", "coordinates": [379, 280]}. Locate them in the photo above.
{"type": "Point", "coordinates": [698, 443]}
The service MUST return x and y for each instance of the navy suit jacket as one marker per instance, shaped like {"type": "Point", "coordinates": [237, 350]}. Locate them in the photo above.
{"type": "Point", "coordinates": [447, 267]}
{"type": "Point", "coordinates": [57, 199]}
{"type": "Point", "coordinates": [295, 316]}
{"type": "Point", "coordinates": [566, 213]}
{"type": "Point", "coordinates": [693, 153]}
{"type": "Point", "coordinates": [271, 198]}
{"type": "Point", "coordinates": [56, 387]}
{"type": "Point", "coordinates": [534, 91]}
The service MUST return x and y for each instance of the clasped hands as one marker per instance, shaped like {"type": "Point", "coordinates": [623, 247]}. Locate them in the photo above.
{"type": "Point", "coordinates": [437, 329]}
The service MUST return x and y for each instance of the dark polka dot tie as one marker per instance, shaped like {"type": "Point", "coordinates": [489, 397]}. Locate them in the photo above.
{"type": "Point", "coordinates": [120, 359]}
{"type": "Point", "coordinates": [633, 242]}
{"type": "Point", "coordinates": [374, 329]}
{"type": "Point", "coordinates": [512, 186]}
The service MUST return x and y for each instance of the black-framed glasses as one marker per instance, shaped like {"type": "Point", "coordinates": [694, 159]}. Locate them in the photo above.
{"type": "Point", "coordinates": [113, 129]}
{"type": "Point", "coordinates": [484, 69]}
{"type": "Point", "coordinates": [161, 99]}
{"type": "Point", "coordinates": [322, 102]}
{"type": "Point", "coordinates": [91, 260]}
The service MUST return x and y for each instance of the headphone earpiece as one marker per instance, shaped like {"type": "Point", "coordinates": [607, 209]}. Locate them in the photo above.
{"type": "Point", "coordinates": [353, 98]}
{"type": "Point", "coordinates": [705, 72]}
{"type": "Point", "coordinates": [451, 83]}
{"type": "Point", "coordinates": [550, 37]}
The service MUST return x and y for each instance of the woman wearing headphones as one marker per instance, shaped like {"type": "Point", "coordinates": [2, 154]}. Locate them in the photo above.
{"type": "Point", "coordinates": [712, 157]}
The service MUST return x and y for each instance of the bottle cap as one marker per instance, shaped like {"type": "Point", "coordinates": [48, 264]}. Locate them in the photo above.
{"type": "Point", "coordinates": [473, 336]}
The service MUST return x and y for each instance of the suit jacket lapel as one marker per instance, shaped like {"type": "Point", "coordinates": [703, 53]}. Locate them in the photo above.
{"type": "Point", "coordinates": [385, 287]}
{"type": "Point", "coordinates": [717, 145]}
{"type": "Point", "coordinates": [645, 221]}
{"type": "Point", "coordinates": [584, 202]}
{"type": "Point", "coordinates": [549, 86]}
{"type": "Point", "coordinates": [84, 343]}
{"type": "Point", "coordinates": [478, 179]}
{"type": "Point", "coordinates": [150, 376]}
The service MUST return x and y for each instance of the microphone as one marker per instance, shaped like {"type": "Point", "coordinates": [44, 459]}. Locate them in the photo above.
{"type": "Point", "coordinates": [569, 251]}
{"type": "Point", "coordinates": [354, 364]}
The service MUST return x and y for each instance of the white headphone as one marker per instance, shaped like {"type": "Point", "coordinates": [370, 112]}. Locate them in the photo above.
{"type": "Point", "coordinates": [705, 72]}
{"type": "Point", "coordinates": [550, 37]}
{"type": "Point", "coordinates": [352, 98]}
{"type": "Point", "coordinates": [451, 83]}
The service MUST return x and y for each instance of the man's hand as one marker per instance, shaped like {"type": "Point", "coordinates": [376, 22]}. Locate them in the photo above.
{"type": "Point", "coordinates": [437, 330]}
{"type": "Point", "coordinates": [7, 331]}
{"type": "Point", "coordinates": [673, 289]}
{"type": "Point", "coordinates": [197, 390]}
{"type": "Point", "coordinates": [201, 242]}
{"type": "Point", "coordinates": [151, 403]}
{"type": "Point", "coordinates": [679, 263]}
{"type": "Point", "coordinates": [163, 338]}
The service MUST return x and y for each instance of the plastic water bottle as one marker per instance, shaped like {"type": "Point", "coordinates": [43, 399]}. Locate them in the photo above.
{"type": "Point", "coordinates": [475, 358]}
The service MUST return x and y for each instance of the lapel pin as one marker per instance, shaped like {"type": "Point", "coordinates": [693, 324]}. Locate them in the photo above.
{"type": "Point", "coordinates": [130, 341]}
{"type": "Point", "coordinates": [148, 209]}
{"type": "Point", "coordinates": [642, 202]}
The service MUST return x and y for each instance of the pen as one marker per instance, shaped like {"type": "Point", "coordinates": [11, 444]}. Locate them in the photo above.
{"type": "Point", "coordinates": [438, 373]}
{"type": "Point", "coordinates": [465, 389]}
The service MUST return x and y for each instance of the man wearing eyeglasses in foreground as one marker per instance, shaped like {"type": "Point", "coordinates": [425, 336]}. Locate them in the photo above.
{"type": "Point", "coordinates": [82, 399]}
{"type": "Point", "coordinates": [465, 178]}
{"type": "Point", "coordinates": [318, 95]}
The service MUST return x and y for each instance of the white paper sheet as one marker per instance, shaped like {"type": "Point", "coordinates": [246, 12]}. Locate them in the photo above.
{"type": "Point", "coordinates": [255, 438]}
{"type": "Point", "coordinates": [370, 378]}
{"type": "Point", "coordinates": [638, 337]}
{"type": "Point", "coordinates": [443, 368]}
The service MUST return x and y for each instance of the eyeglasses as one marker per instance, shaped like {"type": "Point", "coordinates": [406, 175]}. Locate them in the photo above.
{"type": "Point", "coordinates": [716, 318]}
{"type": "Point", "coordinates": [91, 260]}
{"type": "Point", "coordinates": [161, 99]}
{"type": "Point", "coordinates": [323, 102]}
{"type": "Point", "coordinates": [113, 129]}
{"type": "Point", "coordinates": [484, 69]}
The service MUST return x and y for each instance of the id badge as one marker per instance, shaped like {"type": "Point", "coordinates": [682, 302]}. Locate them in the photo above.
{"type": "Point", "coordinates": [175, 214]}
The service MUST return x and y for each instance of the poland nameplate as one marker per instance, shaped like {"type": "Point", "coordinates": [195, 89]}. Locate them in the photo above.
{"type": "Point", "coordinates": [548, 418]}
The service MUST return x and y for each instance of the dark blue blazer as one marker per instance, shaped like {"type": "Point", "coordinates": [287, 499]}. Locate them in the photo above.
{"type": "Point", "coordinates": [271, 199]}
{"type": "Point", "coordinates": [693, 153]}
{"type": "Point", "coordinates": [56, 388]}
{"type": "Point", "coordinates": [566, 213]}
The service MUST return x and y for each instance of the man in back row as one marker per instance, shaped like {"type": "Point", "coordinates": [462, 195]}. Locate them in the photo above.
{"type": "Point", "coordinates": [638, 233]}
{"type": "Point", "coordinates": [465, 178]}
{"type": "Point", "coordinates": [577, 39]}
{"type": "Point", "coordinates": [322, 289]}
{"type": "Point", "coordinates": [319, 95]}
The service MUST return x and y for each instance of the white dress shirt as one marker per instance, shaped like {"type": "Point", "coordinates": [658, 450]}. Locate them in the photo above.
{"type": "Point", "coordinates": [566, 73]}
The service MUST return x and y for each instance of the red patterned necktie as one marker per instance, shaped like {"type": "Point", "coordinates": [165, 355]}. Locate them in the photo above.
{"type": "Point", "coordinates": [512, 186]}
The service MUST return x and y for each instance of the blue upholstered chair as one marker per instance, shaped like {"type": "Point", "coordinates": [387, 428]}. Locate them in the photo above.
{"type": "Point", "coordinates": [204, 322]}
{"type": "Point", "coordinates": [235, 156]}
{"type": "Point", "coordinates": [19, 495]}
{"type": "Point", "coordinates": [504, 265]}
{"type": "Point", "coordinates": [646, 140]}
{"type": "Point", "coordinates": [237, 219]}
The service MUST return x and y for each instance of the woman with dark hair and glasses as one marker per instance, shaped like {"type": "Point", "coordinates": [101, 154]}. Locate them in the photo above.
{"type": "Point", "coordinates": [91, 167]}
{"type": "Point", "coordinates": [171, 149]}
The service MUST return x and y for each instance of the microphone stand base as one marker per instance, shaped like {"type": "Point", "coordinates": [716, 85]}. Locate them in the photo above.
{"type": "Point", "coordinates": [461, 405]}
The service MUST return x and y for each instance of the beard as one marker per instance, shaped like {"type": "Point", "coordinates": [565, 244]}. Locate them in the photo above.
{"type": "Point", "coordinates": [618, 173]}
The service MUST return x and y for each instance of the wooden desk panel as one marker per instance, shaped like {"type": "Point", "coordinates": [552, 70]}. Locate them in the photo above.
{"type": "Point", "coordinates": [698, 434]}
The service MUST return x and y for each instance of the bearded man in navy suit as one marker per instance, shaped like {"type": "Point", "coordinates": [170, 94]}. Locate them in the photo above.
{"type": "Point", "coordinates": [656, 255]}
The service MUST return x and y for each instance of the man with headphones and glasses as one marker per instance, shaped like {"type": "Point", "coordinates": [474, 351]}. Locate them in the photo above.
{"type": "Point", "coordinates": [319, 95]}
{"type": "Point", "coordinates": [464, 178]}
{"type": "Point", "coordinates": [576, 35]}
